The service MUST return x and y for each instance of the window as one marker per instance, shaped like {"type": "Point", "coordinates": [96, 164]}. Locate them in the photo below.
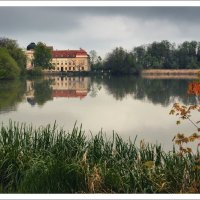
{"type": "Point", "coordinates": [69, 68]}
{"type": "Point", "coordinates": [69, 63]}
{"type": "Point", "coordinates": [61, 63]}
{"type": "Point", "coordinates": [65, 68]}
{"type": "Point", "coordinates": [82, 68]}
{"type": "Point", "coordinates": [74, 68]}
{"type": "Point", "coordinates": [57, 68]}
{"type": "Point", "coordinates": [57, 63]}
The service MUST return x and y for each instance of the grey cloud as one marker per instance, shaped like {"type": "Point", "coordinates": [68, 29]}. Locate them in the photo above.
{"type": "Point", "coordinates": [99, 28]}
{"type": "Point", "coordinates": [48, 18]}
{"type": "Point", "coordinates": [189, 14]}
{"type": "Point", "coordinates": [35, 18]}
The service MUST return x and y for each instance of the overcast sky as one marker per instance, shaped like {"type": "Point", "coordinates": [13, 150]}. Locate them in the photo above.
{"type": "Point", "coordinates": [99, 28]}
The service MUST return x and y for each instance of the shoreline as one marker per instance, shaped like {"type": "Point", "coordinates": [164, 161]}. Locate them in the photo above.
{"type": "Point", "coordinates": [147, 74]}
{"type": "Point", "coordinates": [143, 72]}
{"type": "Point", "coordinates": [170, 71]}
{"type": "Point", "coordinates": [171, 76]}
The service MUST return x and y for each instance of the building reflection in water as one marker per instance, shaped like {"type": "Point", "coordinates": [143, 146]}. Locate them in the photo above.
{"type": "Point", "coordinates": [60, 87]}
{"type": "Point", "coordinates": [70, 87]}
{"type": "Point", "coordinates": [30, 92]}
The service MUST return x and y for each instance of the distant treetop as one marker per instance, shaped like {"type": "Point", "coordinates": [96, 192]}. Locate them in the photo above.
{"type": "Point", "coordinates": [31, 46]}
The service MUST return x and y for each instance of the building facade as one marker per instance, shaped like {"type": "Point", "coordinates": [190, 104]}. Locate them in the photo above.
{"type": "Point", "coordinates": [29, 59]}
{"type": "Point", "coordinates": [62, 60]}
{"type": "Point", "coordinates": [70, 60]}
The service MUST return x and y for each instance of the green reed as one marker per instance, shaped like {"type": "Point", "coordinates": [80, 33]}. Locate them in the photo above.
{"type": "Point", "coordinates": [51, 160]}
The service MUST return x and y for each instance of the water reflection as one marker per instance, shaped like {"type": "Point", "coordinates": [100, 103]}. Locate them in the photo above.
{"type": "Point", "coordinates": [129, 105]}
{"type": "Point", "coordinates": [70, 87]}
{"type": "Point", "coordinates": [43, 90]}
{"type": "Point", "coordinates": [157, 91]}
{"type": "Point", "coordinates": [39, 91]}
{"type": "Point", "coordinates": [11, 93]}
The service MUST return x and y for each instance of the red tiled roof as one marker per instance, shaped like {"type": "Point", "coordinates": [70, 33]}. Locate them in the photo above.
{"type": "Point", "coordinates": [69, 93]}
{"type": "Point", "coordinates": [68, 53]}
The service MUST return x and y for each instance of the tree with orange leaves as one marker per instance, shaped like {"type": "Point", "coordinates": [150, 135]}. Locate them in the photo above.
{"type": "Point", "coordinates": [184, 113]}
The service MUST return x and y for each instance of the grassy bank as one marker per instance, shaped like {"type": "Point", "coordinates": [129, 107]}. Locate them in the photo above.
{"type": "Point", "coordinates": [50, 160]}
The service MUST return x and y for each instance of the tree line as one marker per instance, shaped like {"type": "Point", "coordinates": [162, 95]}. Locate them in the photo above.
{"type": "Point", "coordinates": [157, 55]}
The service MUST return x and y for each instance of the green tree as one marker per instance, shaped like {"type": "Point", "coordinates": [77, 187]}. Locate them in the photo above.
{"type": "Point", "coordinates": [96, 61]}
{"type": "Point", "coordinates": [165, 55]}
{"type": "Point", "coordinates": [42, 56]}
{"type": "Point", "coordinates": [93, 57]}
{"type": "Point", "coordinates": [188, 55]}
{"type": "Point", "coordinates": [99, 63]}
{"type": "Point", "coordinates": [119, 61]}
{"type": "Point", "coordinates": [8, 67]}
{"type": "Point", "coordinates": [198, 52]}
{"type": "Point", "coordinates": [140, 56]}
{"type": "Point", "coordinates": [15, 51]}
{"type": "Point", "coordinates": [160, 55]}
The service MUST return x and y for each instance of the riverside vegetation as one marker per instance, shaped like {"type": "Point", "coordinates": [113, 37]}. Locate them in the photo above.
{"type": "Point", "coordinates": [157, 55]}
{"type": "Point", "coordinates": [51, 160]}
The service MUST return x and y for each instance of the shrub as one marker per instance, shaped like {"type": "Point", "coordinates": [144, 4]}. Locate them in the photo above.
{"type": "Point", "coordinates": [8, 67]}
{"type": "Point", "coordinates": [36, 71]}
{"type": "Point", "coordinates": [15, 52]}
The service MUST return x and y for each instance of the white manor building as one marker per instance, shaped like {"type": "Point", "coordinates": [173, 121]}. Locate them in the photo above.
{"type": "Point", "coordinates": [62, 60]}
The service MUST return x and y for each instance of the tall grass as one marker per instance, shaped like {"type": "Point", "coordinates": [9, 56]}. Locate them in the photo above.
{"type": "Point", "coordinates": [51, 160]}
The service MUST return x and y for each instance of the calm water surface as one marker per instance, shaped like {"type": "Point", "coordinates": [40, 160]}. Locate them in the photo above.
{"type": "Point", "coordinates": [128, 105]}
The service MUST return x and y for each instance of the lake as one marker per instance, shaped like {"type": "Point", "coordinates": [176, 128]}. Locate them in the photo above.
{"type": "Point", "coordinates": [131, 106]}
